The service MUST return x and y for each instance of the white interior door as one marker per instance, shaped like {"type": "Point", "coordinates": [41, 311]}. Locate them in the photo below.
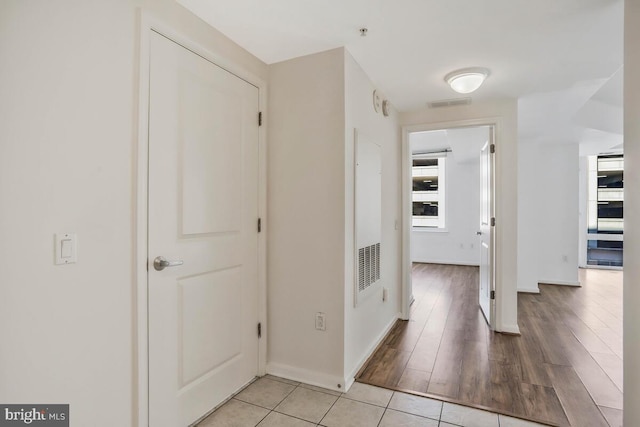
{"type": "Point", "coordinates": [203, 210]}
{"type": "Point", "coordinates": [486, 233]}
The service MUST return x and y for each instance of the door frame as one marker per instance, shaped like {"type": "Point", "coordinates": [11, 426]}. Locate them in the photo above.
{"type": "Point", "coordinates": [147, 23]}
{"type": "Point", "coordinates": [406, 182]}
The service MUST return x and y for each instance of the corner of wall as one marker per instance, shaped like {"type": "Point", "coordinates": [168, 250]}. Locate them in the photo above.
{"type": "Point", "coordinates": [368, 323]}
{"type": "Point", "coordinates": [306, 217]}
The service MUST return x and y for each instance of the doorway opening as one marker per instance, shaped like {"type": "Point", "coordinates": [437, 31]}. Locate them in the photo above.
{"type": "Point", "coordinates": [450, 205]}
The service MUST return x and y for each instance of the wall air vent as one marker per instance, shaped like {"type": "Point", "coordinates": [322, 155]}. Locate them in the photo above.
{"type": "Point", "coordinates": [449, 103]}
{"type": "Point", "coordinates": [368, 266]}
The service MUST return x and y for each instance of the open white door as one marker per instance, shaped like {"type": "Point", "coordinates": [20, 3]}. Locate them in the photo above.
{"type": "Point", "coordinates": [486, 232]}
{"type": "Point", "coordinates": [203, 210]}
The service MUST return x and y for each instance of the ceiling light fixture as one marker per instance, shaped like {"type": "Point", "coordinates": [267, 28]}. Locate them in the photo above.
{"type": "Point", "coordinates": [466, 80]}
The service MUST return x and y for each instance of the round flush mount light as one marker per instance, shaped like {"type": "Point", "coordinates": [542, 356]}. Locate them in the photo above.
{"type": "Point", "coordinates": [466, 80]}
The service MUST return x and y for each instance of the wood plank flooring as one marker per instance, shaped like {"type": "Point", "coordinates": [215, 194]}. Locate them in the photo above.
{"type": "Point", "coordinates": [565, 369]}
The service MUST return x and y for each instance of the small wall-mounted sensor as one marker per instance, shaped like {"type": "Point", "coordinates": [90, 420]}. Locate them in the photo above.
{"type": "Point", "coordinates": [363, 31]}
{"type": "Point", "coordinates": [66, 250]}
{"type": "Point", "coordinates": [385, 294]}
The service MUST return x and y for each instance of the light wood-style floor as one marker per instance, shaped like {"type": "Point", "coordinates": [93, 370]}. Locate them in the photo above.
{"type": "Point", "coordinates": [564, 369]}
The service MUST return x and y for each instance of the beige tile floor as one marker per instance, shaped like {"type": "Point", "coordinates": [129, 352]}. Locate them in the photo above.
{"type": "Point", "coordinates": [276, 402]}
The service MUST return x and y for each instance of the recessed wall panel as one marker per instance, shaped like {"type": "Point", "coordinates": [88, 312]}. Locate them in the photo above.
{"type": "Point", "coordinates": [211, 151]}
{"type": "Point", "coordinates": [209, 313]}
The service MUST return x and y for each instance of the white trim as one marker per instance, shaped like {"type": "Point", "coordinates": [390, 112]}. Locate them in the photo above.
{"type": "Point", "coordinates": [601, 267]}
{"type": "Point", "coordinates": [406, 293]}
{"type": "Point", "coordinates": [529, 291]}
{"type": "Point", "coordinates": [429, 230]}
{"type": "Point", "coordinates": [148, 23]}
{"type": "Point", "coordinates": [606, 237]}
{"type": "Point", "coordinates": [511, 329]}
{"type": "Point", "coordinates": [329, 381]}
{"type": "Point", "coordinates": [350, 378]}
{"type": "Point", "coordinates": [262, 236]}
{"type": "Point", "coordinates": [446, 262]}
{"type": "Point", "coordinates": [559, 282]}
{"type": "Point", "coordinates": [306, 376]}
{"type": "Point", "coordinates": [141, 386]}
{"type": "Point", "coordinates": [348, 382]}
{"type": "Point", "coordinates": [497, 123]}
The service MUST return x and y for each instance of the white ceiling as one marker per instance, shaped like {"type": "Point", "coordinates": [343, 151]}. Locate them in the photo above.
{"type": "Point", "coordinates": [544, 52]}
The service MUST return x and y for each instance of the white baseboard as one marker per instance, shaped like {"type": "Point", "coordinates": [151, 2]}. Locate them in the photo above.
{"type": "Point", "coordinates": [319, 379]}
{"type": "Point", "coordinates": [559, 282]}
{"type": "Point", "coordinates": [510, 329]}
{"type": "Point", "coordinates": [535, 290]}
{"type": "Point", "coordinates": [447, 262]}
{"type": "Point", "coordinates": [324, 380]}
{"type": "Point", "coordinates": [601, 267]}
{"type": "Point", "coordinates": [350, 378]}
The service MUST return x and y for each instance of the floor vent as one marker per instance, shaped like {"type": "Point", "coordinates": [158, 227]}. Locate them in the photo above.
{"type": "Point", "coordinates": [449, 103]}
{"type": "Point", "coordinates": [368, 266]}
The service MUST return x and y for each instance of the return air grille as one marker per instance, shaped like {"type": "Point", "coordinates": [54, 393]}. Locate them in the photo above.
{"type": "Point", "coordinates": [368, 266]}
{"type": "Point", "coordinates": [449, 102]}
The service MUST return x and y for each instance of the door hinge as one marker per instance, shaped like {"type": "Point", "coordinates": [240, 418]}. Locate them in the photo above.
{"type": "Point", "coordinates": [493, 294]}
{"type": "Point", "coordinates": [259, 225]}
{"type": "Point", "coordinates": [492, 148]}
{"type": "Point", "coordinates": [260, 118]}
{"type": "Point", "coordinates": [493, 221]}
{"type": "Point", "coordinates": [259, 330]}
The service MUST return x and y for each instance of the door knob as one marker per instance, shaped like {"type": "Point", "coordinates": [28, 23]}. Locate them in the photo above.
{"type": "Point", "coordinates": [160, 263]}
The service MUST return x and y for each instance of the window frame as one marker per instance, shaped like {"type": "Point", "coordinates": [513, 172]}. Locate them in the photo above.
{"type": "Point", "coordinates": [441, 198]}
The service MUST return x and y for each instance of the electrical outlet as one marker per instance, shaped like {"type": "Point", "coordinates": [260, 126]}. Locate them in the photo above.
{"type": "Point", "coordinates": [321, 324]}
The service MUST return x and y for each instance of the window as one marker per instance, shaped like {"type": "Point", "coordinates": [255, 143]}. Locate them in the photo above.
{"type": "Point", "coordinates": [606, 202]}
{"type": "Point", "coordinates": [428, 196]}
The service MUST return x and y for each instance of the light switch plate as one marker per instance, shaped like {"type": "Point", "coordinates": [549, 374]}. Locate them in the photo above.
{"type": "Point", "coordinates": [66, 250]}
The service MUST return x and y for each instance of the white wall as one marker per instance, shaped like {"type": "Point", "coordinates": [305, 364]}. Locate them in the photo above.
{"type": "Point", "coordinates": [366, 324]}
{"type": "Point", "coordinates": [315, 104]}
{"type": "Point", "coordinates": [506, 188]}
{"type": "Point", "coordinates": [631, 213]}
{"type": "Point", "coordinates": [528, 216]}
{"type": "Point", "coordinates": [306, 221]}
{"type": "Point", "coordinates": [583, 209]}
{"type": "Point", "coordinates": [557, 209]}
{"type": "Point", "coordinates": [459, 243]}
{"type": "Point", "coordinates": [548, 215]}
{"type": "Point", "coordinates": [68, 82]}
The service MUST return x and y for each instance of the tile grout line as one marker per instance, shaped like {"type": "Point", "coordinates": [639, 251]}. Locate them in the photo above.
{"type": "Point", "coordinates": [386, 407]}
{"type": "Point", "coordinates": [264, 417]}
{"type": "Point", "coordinates": [330, 408]}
